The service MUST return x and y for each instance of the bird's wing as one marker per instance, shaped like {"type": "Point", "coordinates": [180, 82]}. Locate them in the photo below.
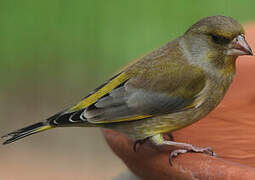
{"type": "Point", "coordinates": [138, 93]}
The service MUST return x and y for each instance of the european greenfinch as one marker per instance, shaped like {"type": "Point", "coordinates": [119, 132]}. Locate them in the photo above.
{"type": "Point", "coordinates": [168, 89]}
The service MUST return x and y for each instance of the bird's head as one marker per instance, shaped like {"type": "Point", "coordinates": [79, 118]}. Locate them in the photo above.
{"type": "Point", "coordinates": [218, 36]}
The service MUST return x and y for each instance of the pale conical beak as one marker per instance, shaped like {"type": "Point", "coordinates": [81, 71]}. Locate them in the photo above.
{"type": "Point", "coordinates": [239, 47]}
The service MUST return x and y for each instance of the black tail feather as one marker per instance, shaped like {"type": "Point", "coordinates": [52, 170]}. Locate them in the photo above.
{"type": "Point", "coordinates": [27, 131]}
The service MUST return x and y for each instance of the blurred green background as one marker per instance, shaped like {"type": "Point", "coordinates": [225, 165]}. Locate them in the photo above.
{"type": "Point", "coordinates": [53, 52]}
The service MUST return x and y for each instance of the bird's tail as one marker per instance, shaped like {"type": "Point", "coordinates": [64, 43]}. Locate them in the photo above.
{"type": "Point", "coordinates": [27, 131]}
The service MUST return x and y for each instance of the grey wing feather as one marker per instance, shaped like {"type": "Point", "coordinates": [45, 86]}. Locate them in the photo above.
{"type": "Point", "coordinates": [127, 101]}
{"type": "Point", "coordinates": [115, 98]}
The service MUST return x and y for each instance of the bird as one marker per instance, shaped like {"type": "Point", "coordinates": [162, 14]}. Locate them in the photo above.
{"type": "Point", "coordinates": [163, 91]}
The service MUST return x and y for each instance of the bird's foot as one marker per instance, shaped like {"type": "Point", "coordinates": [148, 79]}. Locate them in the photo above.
{"type": "Point", "coordinates": [142, 141]}
{"type": "Point", "coordinates": [176, 152]}
{"type": "Point", "coordinates": [179, 147]}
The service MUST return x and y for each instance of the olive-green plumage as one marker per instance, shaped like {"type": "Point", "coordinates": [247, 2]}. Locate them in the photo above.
{"type": "Point", "coordinates": [166, 90]}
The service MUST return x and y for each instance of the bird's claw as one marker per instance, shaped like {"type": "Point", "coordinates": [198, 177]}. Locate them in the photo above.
{"type": "Point", "coordinates": [140, 142]}
{"type": "Point", "coordinates": [175, 153]}
{"type": "Point", "coordinates": [206, 150]}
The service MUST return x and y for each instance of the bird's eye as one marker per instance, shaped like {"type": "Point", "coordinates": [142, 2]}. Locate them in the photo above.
{"type": "Point", "coordinates": [220, 39]}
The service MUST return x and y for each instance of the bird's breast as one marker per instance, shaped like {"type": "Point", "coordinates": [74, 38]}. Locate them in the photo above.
{"type": "Point", "coordinates": [205, 102]}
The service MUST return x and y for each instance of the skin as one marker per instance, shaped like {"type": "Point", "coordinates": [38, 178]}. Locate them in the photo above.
{"type": "Point", "coordinates": [168, 89]}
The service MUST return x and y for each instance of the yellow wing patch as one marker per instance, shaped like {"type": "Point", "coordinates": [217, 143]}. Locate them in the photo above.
{"type": "Point", "coordinates": [101, 92]}
{"type": "Point", "coordinates": [123, 119]}
{"type": "Point", "coordinates": [44, 128]}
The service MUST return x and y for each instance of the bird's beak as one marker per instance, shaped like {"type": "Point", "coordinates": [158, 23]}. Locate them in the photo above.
{"type": "Point", "coordinates": [239, 47]}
